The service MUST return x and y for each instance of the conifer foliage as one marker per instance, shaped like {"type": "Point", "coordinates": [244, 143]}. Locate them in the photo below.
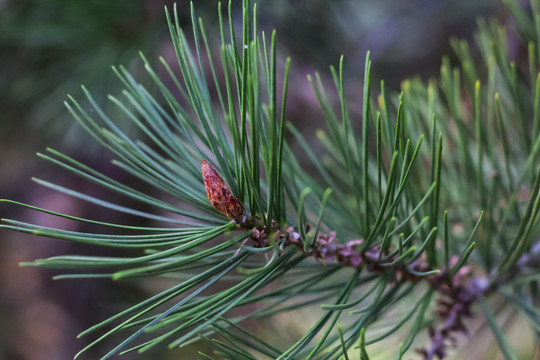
{"type": "Point", "coordinates": [419, 218]}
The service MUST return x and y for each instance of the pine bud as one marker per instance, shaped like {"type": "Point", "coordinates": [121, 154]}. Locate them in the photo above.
{"type": "Point", "coordinates": [219, 193]}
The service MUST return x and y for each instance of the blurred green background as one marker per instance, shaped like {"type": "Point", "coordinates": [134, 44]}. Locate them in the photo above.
{"type": "Point", "coordinates": [48, 48]}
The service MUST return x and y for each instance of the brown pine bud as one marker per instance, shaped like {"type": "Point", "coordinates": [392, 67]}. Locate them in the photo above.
{"type": "Point", "coordinates": [219, 193]}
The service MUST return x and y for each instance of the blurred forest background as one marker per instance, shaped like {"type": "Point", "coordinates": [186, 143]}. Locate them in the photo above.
{"type": "Point", "coordinates": [48, 48]}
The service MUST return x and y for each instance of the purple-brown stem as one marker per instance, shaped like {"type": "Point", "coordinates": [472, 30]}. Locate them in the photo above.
{"type": "Point", "coordinates": [457, 293]}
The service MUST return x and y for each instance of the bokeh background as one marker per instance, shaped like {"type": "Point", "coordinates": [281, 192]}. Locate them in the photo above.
{"type": "Point", "coordinates": [48, 48]}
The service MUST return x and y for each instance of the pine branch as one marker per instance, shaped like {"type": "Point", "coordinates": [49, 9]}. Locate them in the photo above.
{"type": "Point", "coordinates": [377, 213]}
